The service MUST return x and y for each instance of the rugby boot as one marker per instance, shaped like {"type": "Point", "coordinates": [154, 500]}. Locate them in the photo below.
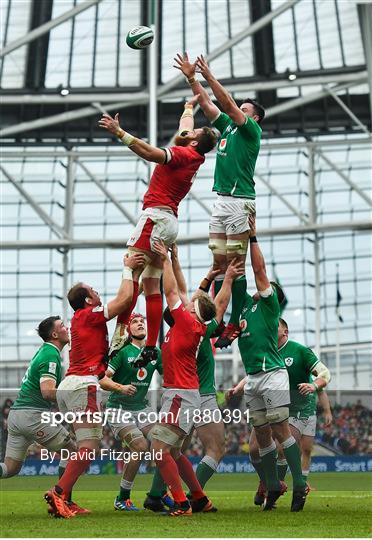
{"type": "Point", "coordinates": [299, 499]}
{"type": "Point", "coordinates": [155, 504]}
{"type": "Point", "coordinates": [273, 496]}
{"type": "Point", "coordinates": [202, 505]}
{"type": "Point", "coordinates": [167, 500]}
{"type": "Point", "coordinates": [125, 505]}
{"type": "Point", "coordinates": [231, 332]}
{"type": "Point", "coordinates": [259, 497]}
{"type": "Point", "coordinates": [147, 355]}
{"type": "Point", "coordinates": [78, 510]}
{"type": "Point", "coordinates": [57, 506]}
{"type": "Point", "coordinates": [180, 509]}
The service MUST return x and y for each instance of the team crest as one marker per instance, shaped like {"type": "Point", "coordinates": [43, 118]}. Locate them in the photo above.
{"type": "Point", "coordinates": [141, 374]}
{"type": "Point", "coordinates": [153, 362]}
{"type": "Point", "coordinates": [222, 144]}
{"type": "Point", "coordinates": [254, 308]}
{"type": "Point", "coordinates": [288, 361]}
{"type": "Point", "coordinates": [243, 324]}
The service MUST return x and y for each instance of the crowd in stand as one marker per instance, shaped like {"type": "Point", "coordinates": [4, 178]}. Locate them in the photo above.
{"type": "Point", "coordinates": [350, 433]}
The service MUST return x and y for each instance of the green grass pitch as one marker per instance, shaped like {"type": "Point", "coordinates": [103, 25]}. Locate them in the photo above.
{"type": "Point", "coordinates": [340, 507]}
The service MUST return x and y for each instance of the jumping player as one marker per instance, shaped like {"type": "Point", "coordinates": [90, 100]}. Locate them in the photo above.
{"type": "Point", "coordinates": [237, 153]}
{"type": "Point", "coordinates": [170, 182]}
{"type": "Point", "coordinates": [79, 391]}
{"type": "Point", "coordinates": [267, 386]}
{"type": "Point", "coordinates": [181, 398]}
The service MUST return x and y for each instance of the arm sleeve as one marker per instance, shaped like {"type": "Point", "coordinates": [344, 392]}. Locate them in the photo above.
{"type": "Point", "coordinates": [309, 359]}
{"type": "Point", "coordinates": [114, 362]}
{"type": "Point", "coordinates": [250, 129]}
{"type": "Point", "coordinates": [222, 121]}
{"type": "Point", "coordinates": [49, 368]}
{"type": "Point", "coordinates": [211, 327]}
{"type": "Point", "coordinates": [179, 156]}
{"type": "Point", "coordinates": [97, 316]}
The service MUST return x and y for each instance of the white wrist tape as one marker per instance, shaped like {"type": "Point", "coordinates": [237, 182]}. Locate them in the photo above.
{"type": "Point", "coordinates": [128, 139]}
{"type": "Point", "coordinates": [127, 273]}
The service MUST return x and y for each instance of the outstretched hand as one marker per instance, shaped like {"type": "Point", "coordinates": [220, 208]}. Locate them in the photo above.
{"type": "Point", "coordinates": [235, 269]}
{"type": "Point", "coordinates": [183, 64]}
{"type": "Point", "coordinates": [160, 248]}
{"type": "Point", "coordinates": [111, 124]}
{"type": "Point", "coordinates": [203, 67]}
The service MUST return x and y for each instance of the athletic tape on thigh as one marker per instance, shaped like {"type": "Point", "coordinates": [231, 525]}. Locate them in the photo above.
{"type": "Point", "coordinates": [279, 414]}
{"type": "Point", "coordinates": [217, 245]}
{"type": "Point", "coordinates": [83, 434]}
{"type": "Point", "coordinates": [258, 418]}
{"type": "Point", "coordinates": [131, 436]}
{"type": "Point", "coordinates": [239, 247]}
{"type": "Point", "coordinates": [166, 435]}
{"type": "Point", "coordinates": [152, 272]}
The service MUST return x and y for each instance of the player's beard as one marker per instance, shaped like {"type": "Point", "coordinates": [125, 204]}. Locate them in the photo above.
{"type": "Point", "coordinates": [183, 141]}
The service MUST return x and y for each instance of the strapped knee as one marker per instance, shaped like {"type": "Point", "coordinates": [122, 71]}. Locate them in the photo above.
{"type": "Point", "coordinates": [152, 272]}
{"type": "Point", "coordinates": [217, 246]}
{"type": "Point", "coordinates": [166, 435]}
{"type": "Point", "coordinates": [277, 415]}
{"type": "Point", "coordinates": [237, 247]}
{"type": "Point", "coordinates": [258, 418]}
{"type": "Point", "coordinates": [131, 437]}
{"type": "Point", "coordinates": [83, 434]}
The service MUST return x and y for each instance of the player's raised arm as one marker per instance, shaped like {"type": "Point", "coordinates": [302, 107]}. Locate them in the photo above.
{"type": "Point", "coordinates": [169, 280]}
{"type": "Point", "coordinates": [183, 63]}
{"type": "Point", "coordinates": [224, 98]}
{"type": "Point", "coordinates": [234, 270]}
{"type": "Point", "coordinates": [178, 274]}
{"type": "Point", "coordinates": [257, 259]}
{"type": "Point", "coordinates": [138, 146]}
{"type": "Point", "coordinates": [125, 292]}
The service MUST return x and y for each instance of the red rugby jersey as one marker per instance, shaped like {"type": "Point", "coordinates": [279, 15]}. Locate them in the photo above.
{"type": "Point", "coordinates": [180, 349]}
{"type": "Point", "coordinates": [171, 182]}
{"type": "Point", "coordinates": [89, 342]}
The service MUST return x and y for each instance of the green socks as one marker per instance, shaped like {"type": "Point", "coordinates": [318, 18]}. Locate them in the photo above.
{"type": "Point", "coordinates": [269, 458]}
{"type": "Point", "coordinates": [125, 488]}
{"type": "Point", "coordinates": [158, 486]}
{"type": "Point", "coordinates": [282, 468]}
{"type": "Point", "coordinates": [238, 291]}
{"type": "Point", "coordinates": [206, 468]}
{"type": "Point", "coordinates": [293, 457]}
{"type": "Point", "coordinates": [259, 470]}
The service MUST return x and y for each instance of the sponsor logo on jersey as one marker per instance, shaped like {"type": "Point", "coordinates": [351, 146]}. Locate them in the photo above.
{"type": "Point", "coordinates": [52, 367]}
{"type": "Point", "coordinates": [222, 144]}
{"type": "Point", "coordinates": [131, 359]}
{"type": "Point", "coordinates": [233, 130]}
{"type": "Point", "coordinates": [288, 361]}
{"type": "Point", "coordinates": [243, 324]}
{"type": "Point", "coordinates": [254, 308]}
{"type": "Point", "coordinates": [141, 374]}
{"type": "Point", "coordinates": [153, 362]}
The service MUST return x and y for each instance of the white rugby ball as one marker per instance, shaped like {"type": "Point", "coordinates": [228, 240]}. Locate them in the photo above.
{"type": "Point", "coordinates": [140, 37]}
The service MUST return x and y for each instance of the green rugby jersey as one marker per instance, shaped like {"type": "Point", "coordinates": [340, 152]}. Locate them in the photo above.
{"type": "Point", "coordinates": [205, 362]}
{"type": "Point", "coordinates": [237, 153]}
{"type": "Point", "coordinates": [45, 363]}
{"type": "Point", "coordinates": [299, 361]}
{"type": "Point", "coordinates": [124, 373]}
{"type": "Point", "coordinates": [258, 341]}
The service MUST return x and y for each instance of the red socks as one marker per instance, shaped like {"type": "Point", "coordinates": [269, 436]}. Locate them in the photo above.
{"type": "Point", "coordinates": [189, 477]}
{"type": "Point", "coordinates": [74, 469]}
{"type": "Point", "coordinates": [154, 314]}
{"type": "Point", "coordinates": [169, 472]}
{"type": "Point", "coordinates": [123, 318]}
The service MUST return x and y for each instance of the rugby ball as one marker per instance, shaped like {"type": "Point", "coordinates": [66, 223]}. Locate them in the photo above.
{"type": "Point", "coordinates": [140, 37]}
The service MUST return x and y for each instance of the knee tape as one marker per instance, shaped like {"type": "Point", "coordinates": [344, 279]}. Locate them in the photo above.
{"type": "Point", "coordinates": [166, 435]}
{"type": "Point", "coordinates": [279, 414]}
{"type": "Point", "coordinates": [217, 246]}
{"type": "Point", "coordinates": [152, 272]}
{"type": "Point", "coordinates": [258, 418]}
{"type": "Point", "coordinates": [83, 434]}
{"type": "Point", "coordinates": [237, 247]}
{"type": "Point", "coordinates": [133, 435]}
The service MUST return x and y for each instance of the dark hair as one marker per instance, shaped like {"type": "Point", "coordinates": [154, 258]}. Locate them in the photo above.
{"type": "Point", "coordinates": [279, 292]}
{"type": "Point", "coordinates": [258, 109]}
{"type": "Point", "coordinates": [46, 327]}
{"type": "Point", "coordinates": [207, 141]}
{"type": "Point", "coordinates": [283, 323]}
{"type": "Point", "coordinates": [77, 295]}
